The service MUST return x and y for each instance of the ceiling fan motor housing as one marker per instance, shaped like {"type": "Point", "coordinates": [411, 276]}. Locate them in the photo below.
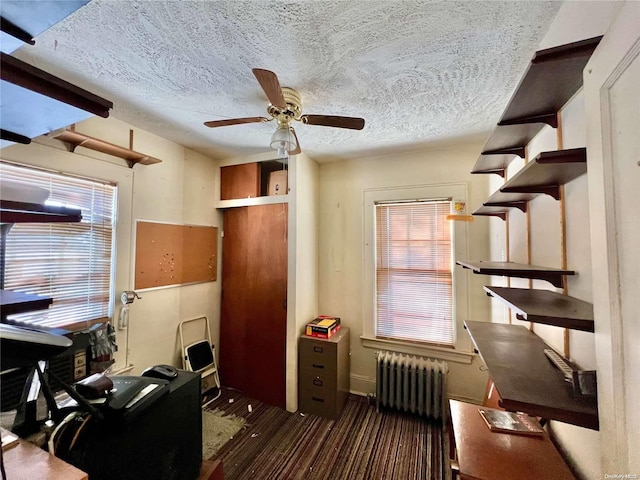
{"type": "Point", "coordinates": [293, 110]}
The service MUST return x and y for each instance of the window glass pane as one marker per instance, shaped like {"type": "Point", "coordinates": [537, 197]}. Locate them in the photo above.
{"type": "Point", "coordinates": [69, 262]}
{"type": "Point", "coordinates": [414, 272]}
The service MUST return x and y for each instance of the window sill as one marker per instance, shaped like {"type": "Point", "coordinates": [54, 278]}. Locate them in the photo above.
{"type": "Point", "coordinates": [439, 353]}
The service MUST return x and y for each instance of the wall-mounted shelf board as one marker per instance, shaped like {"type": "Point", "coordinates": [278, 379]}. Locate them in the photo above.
{"type": "Point", "coordinates": [22, 21]}
{"type": "Point", "coordinates": [553, 77]}
{"type": "Point", "coordinates": [21, 212]}
{"type": "Point", "coordinates": [542, 175]}
{"type": "Point", "coordinates": [35, 102]}
{"type": "Point", "coordinates": [546, 172]}
{"type": "Point", "coordinates": [77, 139]}
{"type": "Point", "coordinates": [555, 276]}
{"type": "Point", "coordinates": [546, 306]}
{"type": "Point", "coordinates": [16, 302]}
{"type": "Point", "coordinates": [526, 380]}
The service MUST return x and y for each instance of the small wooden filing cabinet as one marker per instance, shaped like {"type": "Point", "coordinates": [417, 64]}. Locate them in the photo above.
{"type": "Point", "coordinates": [323, 374]}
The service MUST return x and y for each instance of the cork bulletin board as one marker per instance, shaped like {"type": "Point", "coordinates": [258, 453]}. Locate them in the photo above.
{"type": "Point", "coordinates": [169, 254]}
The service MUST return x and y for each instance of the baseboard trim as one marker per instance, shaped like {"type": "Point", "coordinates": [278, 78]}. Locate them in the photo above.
{"type": "Point", "coordinates": [362, 385]}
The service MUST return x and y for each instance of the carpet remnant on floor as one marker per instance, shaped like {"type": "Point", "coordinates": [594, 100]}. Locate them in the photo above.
{"type": "Point", "coordinates": [218, 429]}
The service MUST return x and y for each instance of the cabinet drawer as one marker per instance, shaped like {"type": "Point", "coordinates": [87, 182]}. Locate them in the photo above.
{"type": "Point", "coordinates": [318, 357]}
{"type": "Point", "coordinates": [317, 396]}
{"type": "Point", "coordinates": [319, 385]}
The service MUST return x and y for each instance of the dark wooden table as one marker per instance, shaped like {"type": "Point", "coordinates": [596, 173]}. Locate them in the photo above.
{"type": "Point", "coordinates": [486, 455]}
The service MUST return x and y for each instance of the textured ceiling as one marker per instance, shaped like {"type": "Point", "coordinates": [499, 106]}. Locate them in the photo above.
{"type": "Point", "coordinates": [418, 72]}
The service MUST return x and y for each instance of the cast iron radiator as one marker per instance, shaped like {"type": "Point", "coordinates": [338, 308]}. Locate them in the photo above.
{"type": "Point", "coordinates": [411, 384]}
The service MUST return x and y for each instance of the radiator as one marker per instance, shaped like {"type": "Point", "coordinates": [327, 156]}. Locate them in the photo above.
{"type": "Point", "coordinates": [411, 384]}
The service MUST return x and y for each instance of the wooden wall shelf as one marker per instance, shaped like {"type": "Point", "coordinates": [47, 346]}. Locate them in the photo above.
{"type": "Point", "coordinates": [76, 139]}
{"type": "Point", "coordinates": [21, 212]}
{"type": "Point", "coordinates": [542, 175]}
{"type": "Point", "coordinates": [553, 77]}
{"type": "Point", "coordinates": [34, 101]}
{"type": "Point", "coordinates": [554, 276]}
{"type": "Point", "coordinates": [23, 21]}
{"type": "Point", "coordinates": [525, 378]}
{"type": "Point", "coordinates": [546, 172]}
{"type": "Point", "coordinates": [546, 306]}
{"type": "Point", "coordinates": [16, 302]}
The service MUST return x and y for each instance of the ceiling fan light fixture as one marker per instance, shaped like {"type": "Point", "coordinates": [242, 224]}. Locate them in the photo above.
{"type": "Point", "coordinates": [283, 141]}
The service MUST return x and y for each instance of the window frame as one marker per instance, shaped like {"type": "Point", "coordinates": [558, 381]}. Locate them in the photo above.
{"type": "Point", "coordinates": [405, 277]}
{"type": "Point", "coordinates": [60, 161]}
{"type": "Point", "coordinates": [457, 192]}
{"type": "Point", "coordinates": [65, 188]}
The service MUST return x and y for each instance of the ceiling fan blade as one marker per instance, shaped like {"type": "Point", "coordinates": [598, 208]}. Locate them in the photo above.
{"type": "Point", "coordinates": [271, 86]}
{"type": "Point", "coordinates": [353, 123]}
{"type": "Point", "coordinates": [297, 150]}
{"type": "Point", "coordinates": [235, 121]}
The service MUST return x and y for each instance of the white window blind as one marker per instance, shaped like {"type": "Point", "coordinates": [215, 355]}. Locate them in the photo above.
{"type": "Point", "coordinates": [414, 272]}
{"type": "Point", "coordinates": [69, 262]}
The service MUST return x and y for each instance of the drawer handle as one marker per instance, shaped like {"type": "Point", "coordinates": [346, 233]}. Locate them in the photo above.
{"type": "Point", "coordinates": [318, 349]}
{"type": "Point", "coordinates": [317, 382]}
{"type": "Point", "coordinates": [315, 365]}
{"type": "Point", "coordinates": [316, 399]}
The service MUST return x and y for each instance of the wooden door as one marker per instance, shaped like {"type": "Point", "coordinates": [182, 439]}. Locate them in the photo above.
{"type": "Point", "coordinates": [233, 304]}
{"type": "Point", "coordinates": [253, 307]}
{"type": "Point", "coordinates": [240, 181]}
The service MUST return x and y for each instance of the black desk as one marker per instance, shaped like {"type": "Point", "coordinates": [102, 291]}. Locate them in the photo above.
{"type": "Point", "coordinates": [163, 442]}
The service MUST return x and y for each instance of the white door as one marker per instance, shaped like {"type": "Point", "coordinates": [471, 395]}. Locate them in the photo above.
{"type": "Point", "coordinates": [612, 94]}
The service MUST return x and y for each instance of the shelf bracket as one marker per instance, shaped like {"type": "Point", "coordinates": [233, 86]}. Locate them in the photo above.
{"type": "Point", "coordinates": [498, 171]}
{"type": "Point", "coordinates": [518, 150]}
{"type": "Point", "coordinates": [520, 205]}
{"type": "Point", "coordinates": [551, 190]}
{"type": "Point", "coordinates": [501, 215]}
{"type": "Point", "coordinates": [550, 119]}
{"type": "Point", "coordinates": [557, 280]}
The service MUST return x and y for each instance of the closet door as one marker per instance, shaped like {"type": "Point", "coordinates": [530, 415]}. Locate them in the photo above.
{"type": "Point", "coordinates": [253, 307]}
{"type": "Point", "coordinates": [233, 303]}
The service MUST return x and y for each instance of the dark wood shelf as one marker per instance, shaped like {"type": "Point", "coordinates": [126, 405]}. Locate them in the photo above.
{"type": "Point", "coordinates": [23, 21]}
{"type": "Point", "coordinates": [555, 276]}
{"type": "Point", "coordinates": [553, 77]}
{"type": "Point", "coordinates": [16, 302]}
{"type": "Point", "coordinates": [526, 380]}
{"type": "Point", "coordinates": [77, 139]}
{"type": "Point", "coordinates": [542, 175]}
{"type": "Point", "coordinates": [546, 172]}
{"type": "Point", "coordinates": [20, 212]}
{"type": "Point", "coordinates": [546, 306]}
{"type": "Point", "coordinates": [35, 102]}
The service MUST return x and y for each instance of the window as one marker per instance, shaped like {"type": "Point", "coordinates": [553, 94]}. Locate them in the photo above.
{"type": "Point", "coordinates": [414, 297]}
{"type": "Point", "coordinates": [69, 262]}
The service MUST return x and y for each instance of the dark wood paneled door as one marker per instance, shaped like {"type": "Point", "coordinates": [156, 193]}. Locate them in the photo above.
{"type": "Point", "coordinates": [253, 308]}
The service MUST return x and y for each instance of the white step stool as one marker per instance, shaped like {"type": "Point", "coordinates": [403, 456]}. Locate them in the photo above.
{"type": "Point", "coordinates": [199, 356]}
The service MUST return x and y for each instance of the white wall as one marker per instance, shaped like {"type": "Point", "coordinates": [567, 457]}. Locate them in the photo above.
{"type": "Point", "coordinates": [181, 189]}
{"type": "Point", "coordinates": [303, 205]}
{"type": "Point", "coordinates": [575, 21]}
{"type": "Point", "coordinates": [341, 278]}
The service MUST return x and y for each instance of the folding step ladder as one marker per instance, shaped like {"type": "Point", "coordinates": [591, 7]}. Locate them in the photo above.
{"type": "Point", "coordinates": [199, 356]}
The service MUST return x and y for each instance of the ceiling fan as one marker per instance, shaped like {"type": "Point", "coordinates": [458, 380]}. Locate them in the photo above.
{"type": "Point", "coordinates": [285, 105]}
